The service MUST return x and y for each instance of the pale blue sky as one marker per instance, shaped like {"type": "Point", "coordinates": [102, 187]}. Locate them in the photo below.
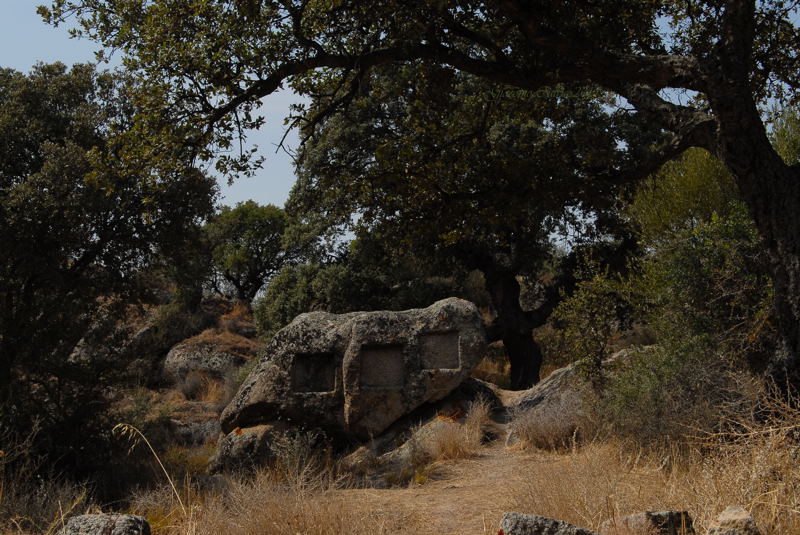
{"type": "Point", "coordinates": [25, 39]}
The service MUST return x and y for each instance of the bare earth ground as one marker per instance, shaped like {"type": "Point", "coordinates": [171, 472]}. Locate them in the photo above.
{"type": "Point", "coordinates": [464, 497]}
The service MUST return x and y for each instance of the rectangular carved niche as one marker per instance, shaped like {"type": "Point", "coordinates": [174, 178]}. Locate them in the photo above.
{"type": "Point", "coordinates": [314, 372]}
{"type": "Point", "coordinates": [439, 350]}
{"type": "Point", "coordinates": [382, 366]}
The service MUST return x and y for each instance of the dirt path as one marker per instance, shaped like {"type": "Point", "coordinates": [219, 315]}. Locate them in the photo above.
{"type": "Point", "coordinates": [463, 497]}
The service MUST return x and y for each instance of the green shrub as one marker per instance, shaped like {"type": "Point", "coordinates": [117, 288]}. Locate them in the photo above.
{"type": "Point", "coordinates": [583, 324]}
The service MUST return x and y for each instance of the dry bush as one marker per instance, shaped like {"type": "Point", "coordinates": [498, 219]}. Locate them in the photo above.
{"type": "Point", "coordinates": [30, 502]}
{"type": "Point", "coordinates": [239, 320]}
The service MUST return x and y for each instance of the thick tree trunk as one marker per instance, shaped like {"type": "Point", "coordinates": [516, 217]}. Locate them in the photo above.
{"type": "Point", "coordinates": [514, 327]}
{"type": "Point", "coordinates": [525, 358]}
{"type": "Point", "coordinates": [772, 193]}
{"type": "Point", "coordinates": [771, 190]}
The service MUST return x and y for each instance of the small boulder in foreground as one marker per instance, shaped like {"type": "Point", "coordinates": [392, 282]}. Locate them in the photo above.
{"type": "Point", "coordinates": [103, 524]}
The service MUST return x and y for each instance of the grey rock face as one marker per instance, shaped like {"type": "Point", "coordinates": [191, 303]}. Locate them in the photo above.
{"type": "Point", "coordinates": [106, 525]}
{"type": "Point", "coordinates": [198, 355]}
{"type": "Point", "coordinates": [650, 523]}
{"type": "Point", "coordinates": [558, 403]}
{"type": "Point", "coordinates": [355, 374]}
{"type": "Point", "coordinates": [734, 521]}
{"type": "Point", "coordinates": [521, 524]}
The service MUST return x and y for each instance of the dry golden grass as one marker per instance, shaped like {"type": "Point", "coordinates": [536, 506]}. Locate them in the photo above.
{"type": "Point", "coordinates": [199, 386]}
{"type": "Point", "coordinates": [601, 481]}
{"type": "Point", "coordinates": [449, 439]}
{"type": "Point", "coordinates": [268, 503]}
{"type": "Point", "coordinates": [556, 431]}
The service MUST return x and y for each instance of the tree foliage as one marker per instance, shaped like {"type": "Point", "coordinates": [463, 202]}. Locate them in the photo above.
{"type": "Point", "coordinates": [199, 88]}
{"type": "Point", "coordinates": [248, 246]}
{"type": "Point", "coordinates": [706, 271]}
{"type": "Point", "coordinates": [469, 176]}
{"type": "Point", "coordinates": [75, 235]}
{"type": "Point", "coordinates": [367, 276]}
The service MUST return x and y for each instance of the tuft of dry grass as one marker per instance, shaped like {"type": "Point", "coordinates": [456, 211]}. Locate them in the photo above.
{"type": "Point", "coordinates": [31, 503]}
{"type": "Point", "coordinates": [230, 342]}
{"type": "Point", "coordinates": [547, 431]}
{"type": "Point", "coordinates": [266, 506]}
{"type": "Point", "coordinates": [448, 439]}
{"type": "Point", "coordinates": [200, 386]}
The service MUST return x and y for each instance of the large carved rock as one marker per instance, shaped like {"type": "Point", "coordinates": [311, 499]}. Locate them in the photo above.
{"type": "Point", "coordinates": [355, 374]}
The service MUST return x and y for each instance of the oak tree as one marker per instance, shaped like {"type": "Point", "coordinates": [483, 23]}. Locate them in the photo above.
{"type": "Point", "coordinates": [469, 176]}
{"type": "Point", "coordinates": [206, 65]}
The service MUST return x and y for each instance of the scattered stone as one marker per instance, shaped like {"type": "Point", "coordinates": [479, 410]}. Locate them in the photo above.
{"type": "Point", "coordinates": [356, 374]}
{"type": "Point", "coordinates": [521, 524]}
{"type": "Point", "coordinates": [244, 448]}
{"type": "Point", "coordinates": [734, 521]}
{"type": "Point", "coordinates": [103, 524]}
{"type": "Point", "coordinates": [650, 523]}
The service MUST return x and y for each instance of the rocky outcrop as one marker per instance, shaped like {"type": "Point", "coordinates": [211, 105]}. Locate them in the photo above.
{"type": "Point", "coordinates": [734, 521]}
{"type": "Point", "coordinates": [521, 524]}
{"type": "Point", "coordinates": [356, 374]}
{"type": "Point", "coordinates": [102, 524]}
{"type": "Point", "coordinates": [558, 407]}
{"type": "Point", "coordinates": [650, 523]}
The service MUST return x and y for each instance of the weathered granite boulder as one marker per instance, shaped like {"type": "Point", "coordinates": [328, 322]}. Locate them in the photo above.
{"type": "Point", "coordinates": [553, 410]}
{"type": "Point", "coordinates": [734, 521]}
{"type": "Point", "coordinates": [199, 355]}
{"type": "Point", "coordinates": [521, 524]}
{"type": "Point", "coordinates": [355, 374]}
{"type": "Point", "coordinates": [650, 523]}
{"type": "Point", "coordinates": [102, 524]}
